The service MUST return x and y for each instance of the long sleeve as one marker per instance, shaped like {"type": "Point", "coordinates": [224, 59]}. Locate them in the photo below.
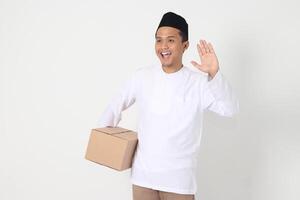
{"type": "Point", "coordinates": [125, 97]}
{"type": "Point", "coordinates": [219, 97]}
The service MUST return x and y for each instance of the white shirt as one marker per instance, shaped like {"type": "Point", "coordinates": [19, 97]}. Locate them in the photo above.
{"type": "Point", "coordinates": [170, 115]}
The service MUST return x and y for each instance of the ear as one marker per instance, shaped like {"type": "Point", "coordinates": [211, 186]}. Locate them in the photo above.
{"type": "Point", "coordinates": [186, 45]}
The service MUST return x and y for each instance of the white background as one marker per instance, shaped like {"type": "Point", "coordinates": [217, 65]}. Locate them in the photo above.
{"type": "Point", "coordinates": [61, 61]}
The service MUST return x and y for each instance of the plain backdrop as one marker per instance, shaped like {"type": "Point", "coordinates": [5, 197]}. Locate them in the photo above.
{"type": "Point", "coordinates": [61, 62]}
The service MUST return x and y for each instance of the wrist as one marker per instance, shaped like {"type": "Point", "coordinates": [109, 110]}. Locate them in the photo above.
{"type": "Point", "coordinates": [212, 73]}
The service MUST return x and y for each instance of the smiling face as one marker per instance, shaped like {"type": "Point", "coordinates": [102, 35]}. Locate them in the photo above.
{"type": "Point", "coordinates": [169, 47]}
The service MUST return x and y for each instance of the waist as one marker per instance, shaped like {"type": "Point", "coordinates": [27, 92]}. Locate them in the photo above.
{"type": "Point", "coordinates": [154, 160]}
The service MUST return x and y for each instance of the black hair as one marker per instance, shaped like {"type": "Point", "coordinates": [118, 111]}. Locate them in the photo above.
{"type": "Point", "coordinates": [183, 36]}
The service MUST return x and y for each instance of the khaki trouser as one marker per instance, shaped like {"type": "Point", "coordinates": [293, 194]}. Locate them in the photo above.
{"type": "Point", "coordinates": [143, 193]}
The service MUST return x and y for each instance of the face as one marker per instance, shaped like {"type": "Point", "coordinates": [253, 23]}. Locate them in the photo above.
{"type": "Point", "coordinates": [169, 47]}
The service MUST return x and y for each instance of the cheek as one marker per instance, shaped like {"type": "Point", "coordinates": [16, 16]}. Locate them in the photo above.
{"type": "Point", "coordinates": [176, 51]}
{"type": "Point", "coordinates": [156, 48]}
{"type": "Point", "coordinates": [179, 50]}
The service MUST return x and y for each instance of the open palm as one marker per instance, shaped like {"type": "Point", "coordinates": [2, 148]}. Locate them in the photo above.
{"type": "Point", "coordinates": [209, 61]}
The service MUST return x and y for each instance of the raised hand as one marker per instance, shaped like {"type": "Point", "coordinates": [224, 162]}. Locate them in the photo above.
{"type": "Point", "coordinates": [209, 61]}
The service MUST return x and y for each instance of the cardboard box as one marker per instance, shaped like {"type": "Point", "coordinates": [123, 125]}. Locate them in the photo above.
{"type": "Point", "coordinates": [113, 147]}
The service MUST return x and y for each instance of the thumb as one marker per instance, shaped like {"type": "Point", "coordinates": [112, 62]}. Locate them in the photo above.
{"type": "Point", "coordinates": [198, 66]}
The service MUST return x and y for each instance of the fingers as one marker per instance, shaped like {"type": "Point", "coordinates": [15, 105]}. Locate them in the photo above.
{"type": "Point", "coordinates": [210, 47]}
{"type": "Point", "coordinates": [205, 47]}
{"type": "Point", "coordinates": [201, 50]}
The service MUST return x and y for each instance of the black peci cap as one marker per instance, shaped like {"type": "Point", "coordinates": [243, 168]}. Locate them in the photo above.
{"type": "Point", "coordinates": [176, 21]}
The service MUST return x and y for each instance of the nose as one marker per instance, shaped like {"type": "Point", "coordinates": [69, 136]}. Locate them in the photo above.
{"type": "Point", "coordinates": [164, 45]}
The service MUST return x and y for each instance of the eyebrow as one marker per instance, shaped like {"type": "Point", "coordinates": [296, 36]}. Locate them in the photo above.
{"type": "Point", "coordinates": [171, 36]}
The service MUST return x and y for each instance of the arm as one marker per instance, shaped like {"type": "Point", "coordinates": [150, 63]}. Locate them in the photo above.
{"type": "Point", "coordinates": [217, 94]}
{"type": "Point", "coordinates": [219, 97]}
{"type": "Point", "coordinates": [126, 96]}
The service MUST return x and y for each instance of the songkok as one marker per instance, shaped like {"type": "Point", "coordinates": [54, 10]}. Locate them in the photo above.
{"type": "Point", "coordinates": [176, 21]}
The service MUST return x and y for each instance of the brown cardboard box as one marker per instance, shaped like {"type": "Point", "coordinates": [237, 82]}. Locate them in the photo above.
{"type": "Point", "coordinates": [113, 147]}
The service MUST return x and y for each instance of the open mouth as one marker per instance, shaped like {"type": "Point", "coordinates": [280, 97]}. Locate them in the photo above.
{"type": "Point", "coordinates": [165, 54]}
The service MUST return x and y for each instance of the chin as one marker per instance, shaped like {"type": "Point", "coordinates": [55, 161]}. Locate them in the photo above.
{"type": "Point", "coordinates": [164, 64]}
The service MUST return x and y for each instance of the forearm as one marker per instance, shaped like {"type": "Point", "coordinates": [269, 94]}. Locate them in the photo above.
{"type": "Point", "coordinates": [225, 102]}
{"type": "Point", "coordinates": [112, 115]}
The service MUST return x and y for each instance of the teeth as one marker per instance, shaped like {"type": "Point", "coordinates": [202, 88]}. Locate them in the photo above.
{"type": "Point", "coordinates": [166, 53]}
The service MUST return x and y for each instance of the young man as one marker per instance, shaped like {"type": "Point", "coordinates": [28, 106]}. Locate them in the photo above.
{"type": "Point", "coordinates": [171, 100]}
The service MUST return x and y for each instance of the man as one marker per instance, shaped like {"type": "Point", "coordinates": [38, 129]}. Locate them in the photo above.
{"type": "Point", "coordinates": [171, 100]}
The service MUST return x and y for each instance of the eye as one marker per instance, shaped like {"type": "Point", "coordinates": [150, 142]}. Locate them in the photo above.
{"type": "Point", "coordinates": [158, 40]}
{"type": "Point", "coordinates": [171, 40]}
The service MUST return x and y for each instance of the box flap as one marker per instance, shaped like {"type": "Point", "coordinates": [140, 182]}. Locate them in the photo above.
{"type": "Point", "coordinates": [112, 130]}
{"type": "Point", "coordinates": [128, 135]}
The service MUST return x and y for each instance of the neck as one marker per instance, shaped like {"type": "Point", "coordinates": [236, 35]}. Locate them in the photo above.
{"type": "Point", "coordinates": [172, 69]}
